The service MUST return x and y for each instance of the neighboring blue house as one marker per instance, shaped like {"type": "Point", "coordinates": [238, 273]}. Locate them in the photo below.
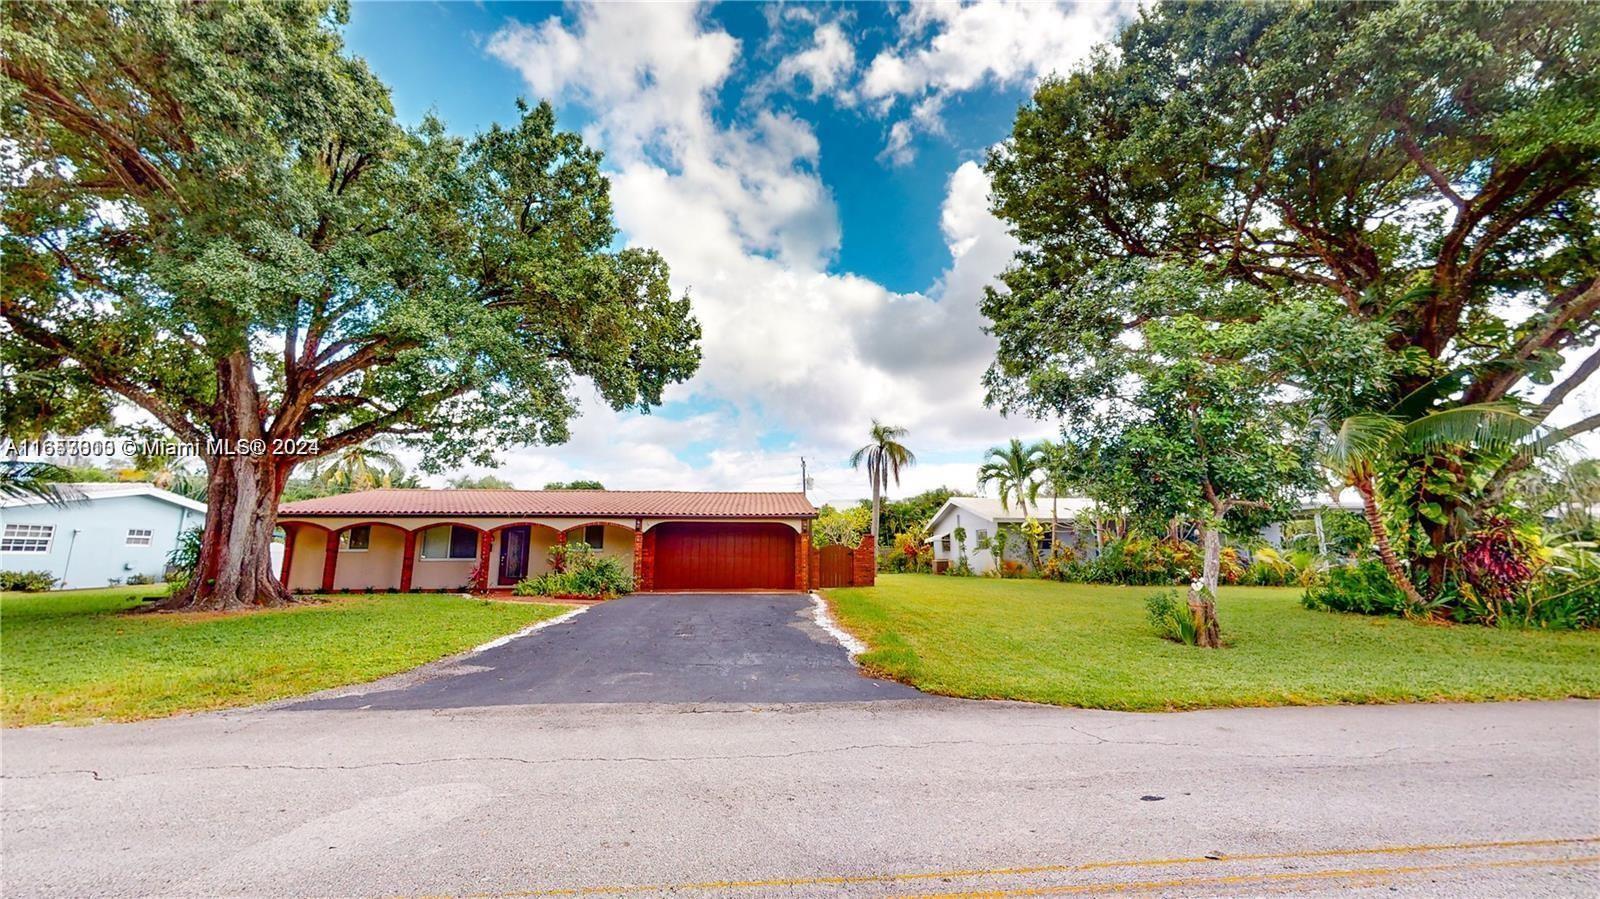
{"type": "Point", "coordinates": [104, 534]}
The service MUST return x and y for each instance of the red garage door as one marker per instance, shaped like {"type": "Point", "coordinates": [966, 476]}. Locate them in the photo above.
{"type": "Point", "coordinates": [719, 556]}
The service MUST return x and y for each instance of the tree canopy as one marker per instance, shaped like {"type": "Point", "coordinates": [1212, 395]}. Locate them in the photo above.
{"type": "Point", "coordinates": [1413, 184]}
{"type": "Point", "coordinates": [213, 215]}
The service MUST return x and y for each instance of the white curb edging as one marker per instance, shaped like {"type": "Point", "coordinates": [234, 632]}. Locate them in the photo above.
{"type": "Point", "coordinates": [824, 619]}
{"type": "Point", "coordinates": [537, 625]}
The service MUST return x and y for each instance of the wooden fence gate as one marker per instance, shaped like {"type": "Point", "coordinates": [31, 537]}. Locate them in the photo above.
{"type": "Point", "coordinates": [835, 565]}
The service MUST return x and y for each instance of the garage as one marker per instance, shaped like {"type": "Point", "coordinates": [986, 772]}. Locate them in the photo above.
{"type": "Point", "coordinates": [724, 556]}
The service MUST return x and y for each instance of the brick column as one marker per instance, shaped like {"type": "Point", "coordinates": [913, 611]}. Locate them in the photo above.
{"type": "Point", "coordinates": [289, 532]}
{"type": "Point", "coordinates": [864, 563]}
{"type": "Point", "coordinates": [816, 567]}
{"type": "Point", "coordinates": [802, 558]}
{"type": "Point", "coordinates": [485, 544]}
{"type": "Point", "coordinates": [408, 560]}
{"type": "Point", "coordinates": [647, 563]}
{"type": "Point", "coordinates": [330, 561]}
{"type": "Point", "coordinates": [638, 554]}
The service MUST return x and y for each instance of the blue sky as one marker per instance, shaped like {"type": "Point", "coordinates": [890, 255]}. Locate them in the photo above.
{"type": "Point", "coordinates": [810, 172]}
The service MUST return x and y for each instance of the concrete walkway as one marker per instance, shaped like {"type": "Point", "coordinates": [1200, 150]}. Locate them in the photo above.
{"type": "Point", "coordinates": [753, 800]}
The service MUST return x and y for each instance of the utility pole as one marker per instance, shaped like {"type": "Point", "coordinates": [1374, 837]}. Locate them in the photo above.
{"type": "Point", "coordinates": [805, 481]}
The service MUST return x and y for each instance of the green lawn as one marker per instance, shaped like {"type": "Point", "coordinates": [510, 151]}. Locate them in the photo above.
{"type": "Point", "coordinates": [74, 657]}
{"type": "Point", "coordinates": [1083, 645]}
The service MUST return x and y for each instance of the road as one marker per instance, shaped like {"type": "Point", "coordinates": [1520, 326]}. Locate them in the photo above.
{"type": "Point", "coordinates": [876, 798]}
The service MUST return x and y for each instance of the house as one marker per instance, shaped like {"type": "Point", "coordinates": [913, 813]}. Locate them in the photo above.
{"type": "Point", "coordinates": [104, 534]}
{"type": "Point", "coordinates": [981, 517]}
{"type": "Point", "coordinates": [486, 540]}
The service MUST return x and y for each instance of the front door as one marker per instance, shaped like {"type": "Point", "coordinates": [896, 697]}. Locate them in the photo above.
{"type": "Point", "coordinates": [513, 554]}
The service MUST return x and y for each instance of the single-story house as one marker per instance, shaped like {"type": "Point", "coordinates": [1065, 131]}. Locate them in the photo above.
{"type": "Point", "coordinates": [981, 517]}
{"type": "Point", "coordinates": [104, 534]}
{"type": "Point", "coordinates": [487, 540]}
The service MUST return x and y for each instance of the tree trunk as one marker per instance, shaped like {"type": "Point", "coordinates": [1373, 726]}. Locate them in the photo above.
{"type": "Point", "coordinates": [1380, 542]}
{"type": "Point", "coordinates": [243, 485]}
{"type": "Point", "coordinates": [877, 511]}
{"type": "Point", "coordinates": [1055, 527]}
{"type": "Point", "coordinates": [1202, 604]}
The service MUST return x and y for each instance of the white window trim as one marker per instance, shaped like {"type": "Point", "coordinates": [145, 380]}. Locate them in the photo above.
{"type": "Point", "coordinates": [423, 558]}
{"type": "Point", "coordinates": [49, 540]}
{"type": "Point", "coordinates": [147, 535]}
{"type": "Point", "coordinates": [350, 549]}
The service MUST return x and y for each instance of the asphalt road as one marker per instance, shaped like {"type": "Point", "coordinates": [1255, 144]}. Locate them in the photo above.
{"type": "Point", "coordinates": [739, 647]}
{"type": "Point", "coordinates": [758, 798]}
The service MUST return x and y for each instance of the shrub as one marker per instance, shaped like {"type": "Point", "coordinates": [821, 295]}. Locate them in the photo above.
{"type": "Point", "coordinates": [1171, 617]}
{"type": "Point", "coordinates": [1364, 588]}
{"type": "Point", "coordinates": [27, 581]}
{"type": "Point", "coordinates": [586, 575]}
{"type": "Point", "coordinates": [183, 560]}
{"type": "Point", "coordinates": [139, 579]}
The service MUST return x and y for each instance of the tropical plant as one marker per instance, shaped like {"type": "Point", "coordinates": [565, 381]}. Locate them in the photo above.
{"type": "Point", "coordinates": [212, 214]}
{"type": "Point", "coordinates": [884, 456]}
{"type": "Point", "coordinates": [20, 479]}
{"type": "Point", "coordinates": [27, 581]}
{"type": "Point", "coordinates": [840, 527]}
{"type": "Point", "coordinates": [1171, 618]}
{"type": "Point", "coordinates": [1013, 469]}
{"type": "Point", "coordinates": [583, 574]}
{"type": "Point", "coordinates": [1355, 448]}
{"type": "Point", "coordinates": [365, 466]}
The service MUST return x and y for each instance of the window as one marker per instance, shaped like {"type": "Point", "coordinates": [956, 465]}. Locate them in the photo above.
{"type": "Point", "coordinates": [983, 538]}
{"type": "Point", "coordinates": [27, 538]}
{"type": "Point", "coordinates": [449, 541]}
{"type": "Point", "coordinates": [595, 536]}
{"type": "Point", "coordinates": [944, 543]}
{"type": "Point", "coordinates": [138, 537]}
{"type": "Point", "coordinates": [1047, 540]}
{"type": "Point", "coordinates": [356, 539]}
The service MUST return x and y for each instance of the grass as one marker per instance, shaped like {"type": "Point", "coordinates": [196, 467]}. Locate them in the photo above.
{"type": "Point", "coordinates": [1091, 646]}
{"type": "Point", "coordinates": [75, 657]}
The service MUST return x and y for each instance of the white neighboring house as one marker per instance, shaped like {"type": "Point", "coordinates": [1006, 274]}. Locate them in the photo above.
{"type": "Point", "coordinates": [102, 534]}
{"type": "Point", "coordinates": [981, 517]}
{"type": "Point", "coordinates": [1348, 501]}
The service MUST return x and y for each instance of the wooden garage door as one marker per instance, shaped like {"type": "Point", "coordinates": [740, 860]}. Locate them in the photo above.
{"type": "Point", "coordinates": [717, 556]}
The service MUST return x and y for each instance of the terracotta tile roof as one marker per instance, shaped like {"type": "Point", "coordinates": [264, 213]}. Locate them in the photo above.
{"type": "Point", "coordinates": [558, 504]}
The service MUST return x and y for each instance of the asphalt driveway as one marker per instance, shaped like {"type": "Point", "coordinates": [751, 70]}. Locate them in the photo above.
{"type": "Point", "coordinates": [683, 648]}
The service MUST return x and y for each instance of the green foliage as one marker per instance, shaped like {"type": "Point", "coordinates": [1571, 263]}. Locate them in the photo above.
{"type": "Point", "coordinates": [216, 217]}
{"type": "Point", "coordinates": [27, 581]}
{"type": "Point", "coordinates": [900, 514]}
{"type": "Point", "coordinates": [184, 559]}
{"type": "Point", "coordinates": [1171, 617]}
{"type": "Point", "coordinates": [574, 485]}
{"type": "Point", "coordinates": [485, 482]}
{"type": "Point", "coordinates": [841, 527]}
{"type": "Point", "coordinates": [582, 574]}
{"type": "Point", "coordinates": [1409, 209]}
{"type": "Point", "coordinates": [1364, 588]}
{"type": "Point", "coordinates": [1014, 470]}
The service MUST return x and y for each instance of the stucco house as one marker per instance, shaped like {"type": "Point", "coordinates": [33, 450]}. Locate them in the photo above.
{"type": "Point", "coordinates": [981, 517]}
{"type": "Point", "coordinates": [104, 534]}
{"type": "Point", "coordinates": [488, 540]}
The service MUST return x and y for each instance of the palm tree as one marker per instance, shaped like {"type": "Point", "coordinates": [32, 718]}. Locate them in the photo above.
{"type": "Point", "coordinates": [361, 467]}
{"type": "Point", "coordinates": [1012, 468]}
{"type": "Point", "coordinates": [884, 456]}
{"type": "Point", "coordinates": [1055, 464]}
{"type": "Point", "coordinates": [36, 480]}
{"type": "Point", "coordinates": [1353, 450]}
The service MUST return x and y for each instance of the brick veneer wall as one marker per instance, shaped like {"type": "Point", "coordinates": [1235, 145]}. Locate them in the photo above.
{"type": "Point", "coordinates": [864, 563]}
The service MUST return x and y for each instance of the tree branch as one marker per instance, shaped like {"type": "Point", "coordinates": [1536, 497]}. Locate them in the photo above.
{"type": "Point", "coordinates": [1432, 171]}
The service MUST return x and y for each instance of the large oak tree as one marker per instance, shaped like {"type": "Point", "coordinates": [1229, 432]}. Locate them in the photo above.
{"type": "Point", "coordinates": [1427, 170]}
{"type": "Point", "coordinates": [210, 213]}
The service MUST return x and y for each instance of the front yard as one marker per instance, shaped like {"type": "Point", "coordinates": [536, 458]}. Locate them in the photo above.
{"type": "Point", "coordinates": [73, 657]}
{"type": "Point", "coordinates": [1088, 645]}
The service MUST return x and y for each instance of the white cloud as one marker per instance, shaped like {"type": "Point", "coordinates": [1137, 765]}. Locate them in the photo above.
{"type": "Point", "coordinates": [824, 65]}
{"type": "Point", "coordinates": [946, 49]}
{"type": "Point", "coordinates": [739, 211]}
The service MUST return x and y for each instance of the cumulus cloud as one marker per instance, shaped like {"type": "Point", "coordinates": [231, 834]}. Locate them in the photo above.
{"type": "Point", "coordinates": [825, 65]}
{"type": "Point", "coordinates": [945, 49]}
{"type": "Point", "coordinates": [797, 359]}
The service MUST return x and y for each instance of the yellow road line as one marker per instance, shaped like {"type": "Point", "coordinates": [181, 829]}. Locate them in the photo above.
{"type": "Point", "coordinates": [847, 880]}
{"type": "Point", "coordinates": [1259, 879]}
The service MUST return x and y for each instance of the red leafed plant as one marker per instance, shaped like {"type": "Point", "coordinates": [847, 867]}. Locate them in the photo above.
{"type": "Point", "coordinates": [1498, 561]}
